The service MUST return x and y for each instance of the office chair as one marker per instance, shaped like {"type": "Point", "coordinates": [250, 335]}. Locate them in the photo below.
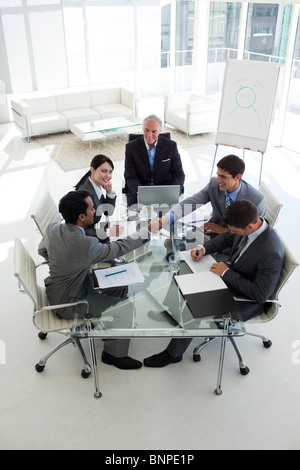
{"type": "Point", "coordinates": [44, 319]}
{"type": "Point", "coordinates": [131, 137]}
{"type": "Point", "coordinates": [273, 205]}
{"type": "Point", "coordinates": [45, 213]}
{"type": "Point", "coordinates": [267, 315]}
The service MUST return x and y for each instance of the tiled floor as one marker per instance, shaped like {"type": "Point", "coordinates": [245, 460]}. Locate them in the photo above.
{"type": "Point", "coordinates": [171, 408]}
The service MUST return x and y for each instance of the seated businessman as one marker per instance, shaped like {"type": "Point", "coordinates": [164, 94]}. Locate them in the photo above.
{"type": "Point", "coordinates": [71, 253]}
{"type": "Point", "coordinates": [256, 259]}
{"type": "Point", "coordinates": [221, 191]}
{"type": "Point", "coordinates": [151, 160]}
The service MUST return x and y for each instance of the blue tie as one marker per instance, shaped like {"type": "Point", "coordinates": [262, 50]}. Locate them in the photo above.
{"type": "Point", "coordinates": [151, 154]}
{"type": "Point", "coordinates": [227, 200]}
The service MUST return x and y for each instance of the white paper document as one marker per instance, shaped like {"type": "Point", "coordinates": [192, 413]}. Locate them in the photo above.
{"type": "Point", "coordinates": [199, 282]}
{"type": "Point", "coordinates": [203, 265]}
{"type": "Point", "coordinates": [202, 279]}
{"type": "Point", "coordinates": [196, 218]}
{"type": "Point", "coordinates": [123, 275]}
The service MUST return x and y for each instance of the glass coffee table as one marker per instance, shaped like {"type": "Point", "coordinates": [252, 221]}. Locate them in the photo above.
{"type": "Point", "coordinates": [97, 130]}
{"type": "Point", "coordinates": [154, 308]}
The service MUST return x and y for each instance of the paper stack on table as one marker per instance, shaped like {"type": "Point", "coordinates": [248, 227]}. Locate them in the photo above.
{"type": "Point", "coordinates": [123, 275]}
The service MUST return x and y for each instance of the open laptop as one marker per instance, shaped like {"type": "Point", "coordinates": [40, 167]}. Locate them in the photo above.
{"type": "Point", "coordinates": [158, 195]}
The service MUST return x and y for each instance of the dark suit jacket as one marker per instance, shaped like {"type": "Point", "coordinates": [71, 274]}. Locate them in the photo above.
{"type": "Point", "coordinates": [167, 168]}
{"type": "Point", "coordinates": [105, 204]}
{"type": "Point", "coordinates": [255, 274]}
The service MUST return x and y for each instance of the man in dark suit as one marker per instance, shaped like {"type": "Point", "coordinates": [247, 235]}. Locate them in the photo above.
{"type": "Point", "coordinates": [151, 160]}
{"type": "Point", "coordinates": [256, 259]}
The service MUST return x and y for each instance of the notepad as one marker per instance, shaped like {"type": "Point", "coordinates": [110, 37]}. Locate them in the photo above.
{"type": "Point", "coordinates": [205, 292]}
{"type": "Point", "coordinates": [117, 276]}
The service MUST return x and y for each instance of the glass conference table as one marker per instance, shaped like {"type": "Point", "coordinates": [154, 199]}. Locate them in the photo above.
{"type": "Point", "coordinates": [154, 308]}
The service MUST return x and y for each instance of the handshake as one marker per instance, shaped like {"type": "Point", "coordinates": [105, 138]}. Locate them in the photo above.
{"type": "Point", "coordinates": [155, 224]}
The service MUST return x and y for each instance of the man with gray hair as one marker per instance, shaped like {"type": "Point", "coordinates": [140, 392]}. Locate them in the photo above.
{"type": "Point", "coordinates": [151, 159]}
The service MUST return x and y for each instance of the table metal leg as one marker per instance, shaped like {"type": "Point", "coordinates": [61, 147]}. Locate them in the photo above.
{"type": "Point", "coordinates": [97, 393]}
{"type": "Point", "coordinates": [218, 390]}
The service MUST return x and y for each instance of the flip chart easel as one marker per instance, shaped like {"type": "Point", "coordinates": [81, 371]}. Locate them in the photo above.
{"type": "Point", "coordinates": [247, 105]}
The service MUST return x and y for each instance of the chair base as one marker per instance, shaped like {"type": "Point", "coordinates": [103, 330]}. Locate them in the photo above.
{"type": "Point", "coordinates": [244, 369]}
{"type": "Point", "coordinates": [39, 367]}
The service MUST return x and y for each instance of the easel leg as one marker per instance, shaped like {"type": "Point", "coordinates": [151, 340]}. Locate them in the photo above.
{"type": "Point", "coordinates": [261, 165]}
{"type": "Point", "coordinates": [213, 165]}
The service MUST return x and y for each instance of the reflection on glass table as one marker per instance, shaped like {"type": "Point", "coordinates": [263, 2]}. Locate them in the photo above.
{"type": "Point", "coordinates": [155, 308]}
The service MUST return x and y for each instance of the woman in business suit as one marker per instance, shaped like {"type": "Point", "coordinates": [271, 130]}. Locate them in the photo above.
{"type": "Point", "coordinates": [97, 179]}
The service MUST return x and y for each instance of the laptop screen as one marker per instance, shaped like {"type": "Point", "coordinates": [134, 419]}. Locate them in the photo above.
{"type": "Point", "coordinates": [158, 195]}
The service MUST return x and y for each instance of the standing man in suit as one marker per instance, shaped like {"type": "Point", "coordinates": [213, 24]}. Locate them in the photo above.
{"type": "Point", "coordinates": [70, 253]}
{"type": "Point", "coordinates": [151, 160]}
{"type": "Point", "coordinates": [227, 187]}
{"type": "Point", "coordinates": [256, 259]}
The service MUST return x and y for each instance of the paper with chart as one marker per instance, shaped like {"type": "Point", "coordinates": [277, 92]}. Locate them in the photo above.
{"type": "Point", "coordinates": [123, 275]}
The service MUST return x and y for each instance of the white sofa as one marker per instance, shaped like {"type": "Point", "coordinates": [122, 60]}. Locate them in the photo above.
{"type": "Point", "coordinates": [48, 114]}
{"type": "Point", "coordinates": [191, 113]}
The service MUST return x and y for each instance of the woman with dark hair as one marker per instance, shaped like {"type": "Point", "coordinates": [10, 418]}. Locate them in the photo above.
{"type": "Point", "coordinates": [97, 181]}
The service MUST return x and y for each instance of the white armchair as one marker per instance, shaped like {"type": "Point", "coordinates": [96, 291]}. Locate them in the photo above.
{"type": "Point", "coordinates": [191, 113]}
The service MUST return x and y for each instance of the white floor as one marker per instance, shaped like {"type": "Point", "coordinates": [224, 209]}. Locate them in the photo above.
{"type": "Point", "coordinates": [171, 408]}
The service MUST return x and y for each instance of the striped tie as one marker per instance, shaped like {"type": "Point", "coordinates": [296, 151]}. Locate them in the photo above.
{"type": "Point", "coordinates": [227, 200]}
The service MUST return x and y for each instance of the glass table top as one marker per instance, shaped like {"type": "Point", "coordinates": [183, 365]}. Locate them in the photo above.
{"type": "Point", "coordinates": [155, 307]}
{"type": "Point", "coordinates": [106, 125]}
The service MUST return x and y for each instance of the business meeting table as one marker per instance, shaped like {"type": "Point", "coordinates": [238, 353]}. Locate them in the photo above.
{"type": "Point", "coordinates": [153, 306]}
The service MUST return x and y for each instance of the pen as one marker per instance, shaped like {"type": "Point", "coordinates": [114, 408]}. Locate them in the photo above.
{"type": "Point", "coordinates": [118, 272]}
{"type": "Point", "coordinates": [194, 221]}
{"type": "Point", "coordinates": [197, 252]}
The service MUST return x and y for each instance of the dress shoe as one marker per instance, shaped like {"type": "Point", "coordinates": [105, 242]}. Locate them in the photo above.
{"type": "Point", "coordinates": [161, 360]}
{"type": "Point", "coordinates": [121, 362]}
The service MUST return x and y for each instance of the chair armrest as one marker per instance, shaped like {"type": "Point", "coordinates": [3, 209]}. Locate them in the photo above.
{"type": "Point", "coordinates": [201, 106]}
{"type": "Point", "coordinates": [177, 101]}
{"type": "Point", "coordinates": [21, 108]}
{"type": "Point", "coordinates": [273, 301]}
{"type": "Point", "coordinates": [129, 99]}
{"type": "Point", "coordinates": [55, 307]}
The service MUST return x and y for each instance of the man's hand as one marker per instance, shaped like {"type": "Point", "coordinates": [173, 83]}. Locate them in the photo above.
{"type": "Point", "coordinates": [210, 227]}
{"type": "Point", "coordinates": [156, 224]}
{"type": "Point", "coordinates": [219, 268]}
{"type": "Point", "coordinates": [195, 256]}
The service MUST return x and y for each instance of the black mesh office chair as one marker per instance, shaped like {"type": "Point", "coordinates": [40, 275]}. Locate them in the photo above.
{"type": "Point", "coordinates": [131, 137]}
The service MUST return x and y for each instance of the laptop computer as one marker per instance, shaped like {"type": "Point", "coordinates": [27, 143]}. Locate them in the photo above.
{"type": "Point", "coordinates": [158, 195]}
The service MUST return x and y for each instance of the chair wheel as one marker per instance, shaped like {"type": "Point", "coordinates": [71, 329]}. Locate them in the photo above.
{"type": "Point", "coordinates": [42, 335]}
{"type": "Point", "coordinates": [244, 370]}
{"type": "Point", "coordinates": [85, 374]}
{"type": "Point", "coordinates": [196, 357]}
{"type": "Point", "coordinates": [267, 344]}
{"type": "Point", "coordinates": [39, 368]}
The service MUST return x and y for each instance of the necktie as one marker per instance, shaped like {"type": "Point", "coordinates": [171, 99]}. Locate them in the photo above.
{"type": "Point", "coordinates": [151, 154]}
{"type": "Point", "coordinates": [227, 199]}
{"type": "Point", "coordinates": [238, 249]}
